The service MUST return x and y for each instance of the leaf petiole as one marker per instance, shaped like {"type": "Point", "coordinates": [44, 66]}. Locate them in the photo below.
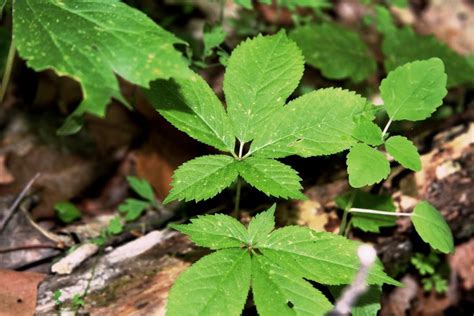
{"type": "Point", "coordinates": [367, 211]}
{"type": "Point", "coordinates": [385, 129]}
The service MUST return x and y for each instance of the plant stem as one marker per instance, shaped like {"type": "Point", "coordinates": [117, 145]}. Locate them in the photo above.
{"type": "Point", "coordinates": [241, 149]}
{"type": "Point", "coordinates": [366, 211]}
{"type": "Point", "coordinates": [385, 129]}
{"type": "Point", "coordinates": [342, 227]}
{"type": "Point", "coordinates": [348, 228]}
{"type": "Point", "coordinates": [8, 70]}
{"type": "Point", "coordinates": [237, 197]}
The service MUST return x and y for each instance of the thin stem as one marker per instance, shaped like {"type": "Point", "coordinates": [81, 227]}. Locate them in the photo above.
{"type": "Point", "coordinates": [385, 129]}
{"type": "Point", "coordinates": [221, 12]}
{"type": "Point", "coordinates": [348, 228]}
{"type": "Point", "coordinates": [342, 227]}
{"type": "Point", "coordinates": [8, 70]}
{"type": "Point", "coordinates": [241, 149]}
{"type": "Point", "coordinates": [237, 197]}
{"type": "Point", "coordinates": [366, 211]}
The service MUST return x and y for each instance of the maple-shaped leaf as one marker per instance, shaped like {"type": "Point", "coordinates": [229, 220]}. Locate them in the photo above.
{"type": "Point", "coordinates": [415, 90]}
{"type": "Point", "coordinates": [202, 178]}
{"type": "Point", "coordinates": [278, 261]}
{"type": "Point", "coordinates": [322, 257]}
{"type": "Point", "coordinates": [271, 177]}
{"type": "Point", "coordinates": [193, 107]}
{"type": "Point", "coordinates": [218, 284]}
{"type": "Point", "coordinates": [216, 231]}
{"type": "Point", "coordinates": [261, 74]}
{"type": "Point", "coordinates": [318, 123]}
{"type": "Point", "coordinates": [277, 291]}
{"type": "Point", "coordinates": [92, 41]}
{"type": "Point", "coordinates": [337, 51]}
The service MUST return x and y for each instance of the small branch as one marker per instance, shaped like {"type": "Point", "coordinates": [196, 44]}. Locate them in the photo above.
{"type": "Point", "coordinates": [366, 211]}
{"type": "Point", "coordinates": [28, 247]}
{"type": "Point", "coordinates": [349, 296]}
{"type": "Point", "coordinates": [8, 70]}
{"type": "Point", "coordinates": [385, 129]}
{"type": "Point", "coordinates": [19, 198]}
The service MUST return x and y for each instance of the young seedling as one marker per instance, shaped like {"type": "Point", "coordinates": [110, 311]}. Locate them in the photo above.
{"type": "Point", "coordinates": [259, 128]}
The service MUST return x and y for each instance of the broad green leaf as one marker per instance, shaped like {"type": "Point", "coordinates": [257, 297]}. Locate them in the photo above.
{"type": "Point", "coordinates": [193, 107]}
{"type": "Point", "coordinates": [261, 74]}
{"type": "Point", "coordinates": [366, 166]}
{"type": "Point", "coordinates": [215, 231]}
{"type": "Point", "coordinates": [115, 226]}
{"type": "Point", "coordinates": [212, 38]}
{"type": "Point", "coordinates": [218, 284]}
{"type": "Point", "coordinates": [91, 41]}
{"type": "Point", "coordinates": [318, 123]}
{"type": "Point", "coordinates": [278, 292]}
{"type": "Point", "coordinates": [143, 188]}
{"type": "Point", "coordinates": [293, 4]}
{"type": "Point", "coordinates": [337, 51]}
{"type": "Point", "coordinates": [261, 226]}
{"type": "Point", "coordinates": [369, 222]}
{"type": "Point", "coordinates": [415, 90]}
{"type": "Point", "coordinates": [432, 227]}
{"type": "Point", "coordinates": [384, 21]}
{"type": "Point", "coordinates": [132, 208]}
{"type": "Point", "coordinates": [202, 178]}
{"type": "Point", "coordinates": [245, 3]}
{"type": "Point", "coordinates": [67, 212]}
{"type": "Point", "coordinates": [271, 177]}
{"type": "Point", "coordinates": [399, 3]}
{"type": "Point", "coordinates": [322, 257]}
{"type": "Point", "coordinates": [368, 132]}
{"type": "Point", "coordinates": [404, 45]}
{"type": "Point", "coordinates": [403, 151]}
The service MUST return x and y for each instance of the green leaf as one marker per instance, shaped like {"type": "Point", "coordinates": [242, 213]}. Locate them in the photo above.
{"type": "Point", "coordinates": [403, 151]}
{"type": "Point", "coordinates": [415, 90]}
{"type": "Point", "coordinates": [404, 45]}
{"type": "Point", "coordinates": [245, 3]}
{"type": "Point", "coordinates": [143, 188]}
{"type": "Point", "coordinates": [384, 22]}
{"type": "Point", "coordinates": [368, 132]}
{"type": "Point", "coordinates": [193, 107]}
{"type": "Point", "coordinates": [67, 212]}
{"type": "Point", "coordinates": [261, 226]}
{"type": "Point", "coordinates": [115, 226]}
{"type": "Point", "coordinates": [133, 209]}
{"type": "Point", "coordinates": [261, 74]}
{"type": "Point", "coordinates": [271, 177]}
{"type": "Point", "coordinates": [218, 284]}
{"type": "Point", "coordinates": [293, 4]}
{"type": "Point", "coordinates": [399, 3]}
{"type": "Point", "coordinates": [369, 222]}
{"type": "Point", "coordinates": [202, 178]}
{"type": "Point", "coordinates": [215, 231]}
{"type": "Point", "coordinates": [2, 4]}
{"type": "Point", "coordinates": [368, 304]}
{"type": "Point", "coordinates": [337, 51]}
{"type": "Point", "coordinates": [212, 38]}
{"type": "Point", "coordinates": [366, 166]}
{"type": "Point", "coordinates": [432, 227]}
{"type": "Point", "coordinates": [91, 41]}
{"type": "Point", "coordinates": [277, 292]}
{"type": "Point", "coordinates": [318, 123]}
{"type": "Point", "coordinates": [322, 257]}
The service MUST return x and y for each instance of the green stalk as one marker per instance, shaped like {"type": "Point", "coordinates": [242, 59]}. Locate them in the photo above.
{"type": "Point", "coordinates": [343, 226]}
{"type": "Point", "coordinates": [8, 70]}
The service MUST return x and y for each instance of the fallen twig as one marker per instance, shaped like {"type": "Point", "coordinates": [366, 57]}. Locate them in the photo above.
{"type": "Point", "coordinates": [19, 198]}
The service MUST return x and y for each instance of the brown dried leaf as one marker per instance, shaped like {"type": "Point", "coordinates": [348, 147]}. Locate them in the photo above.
{"type": "Point", "coordinates": [18, 292]}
